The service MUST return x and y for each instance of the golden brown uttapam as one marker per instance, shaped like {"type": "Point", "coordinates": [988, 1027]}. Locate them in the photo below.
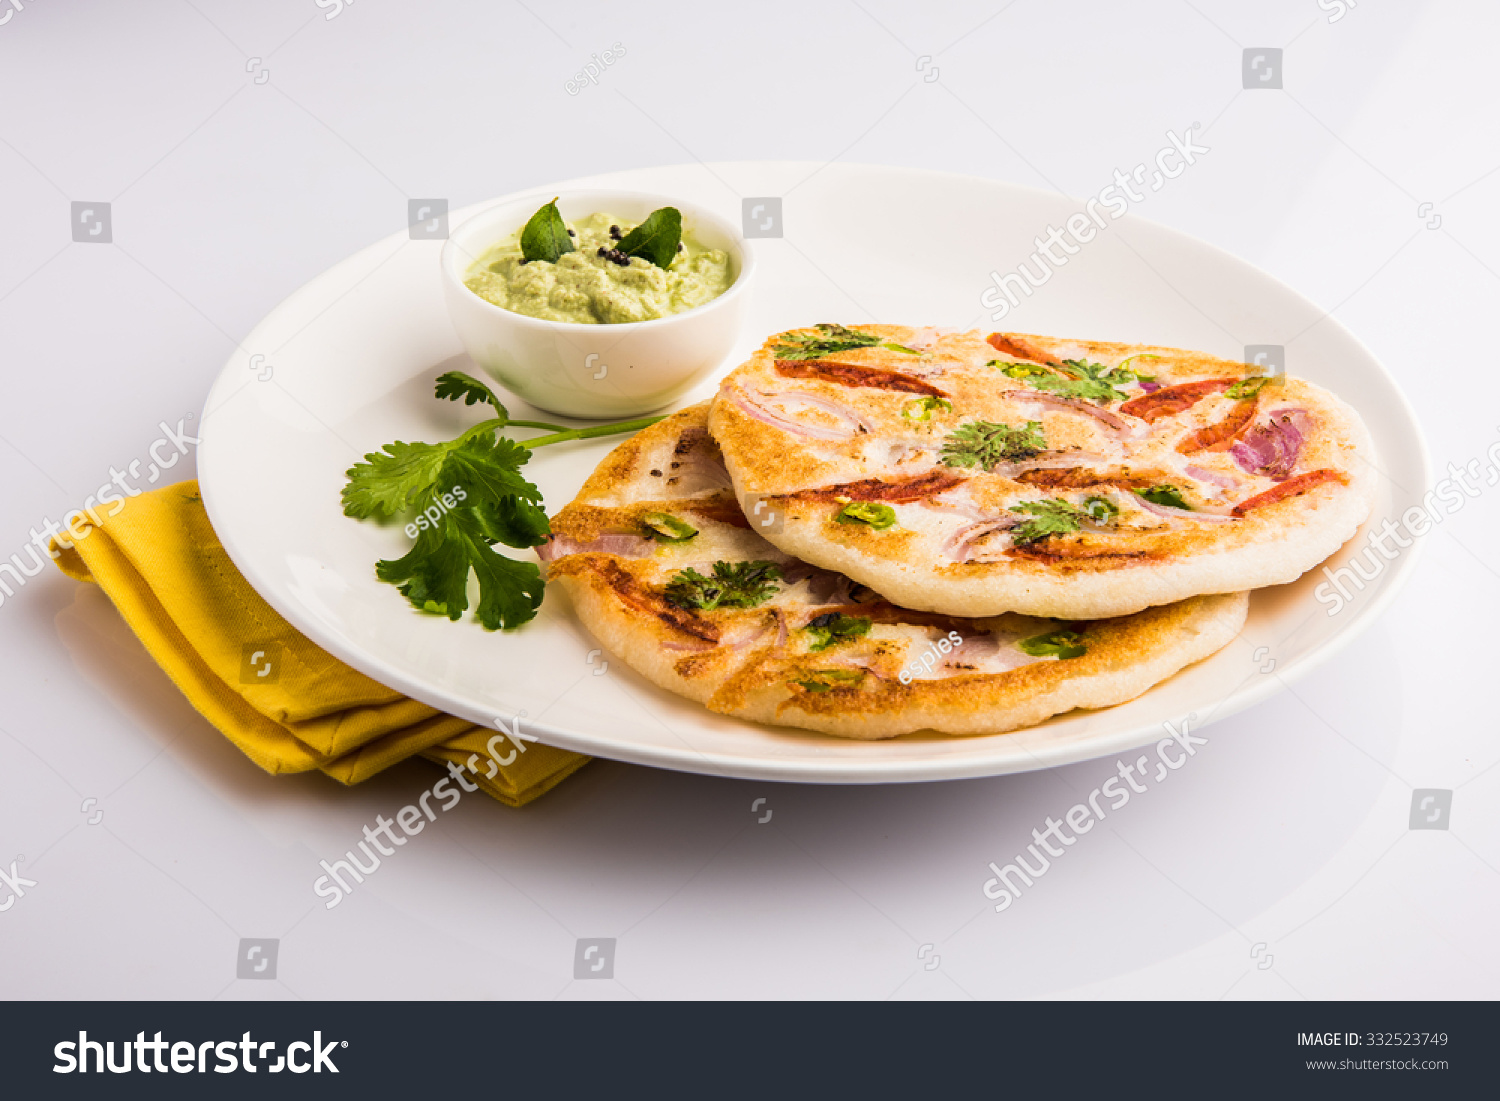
{"type": "Point", "coordinates": [667, 572]}
{"type": "Point", "coordinates": [969, 475]}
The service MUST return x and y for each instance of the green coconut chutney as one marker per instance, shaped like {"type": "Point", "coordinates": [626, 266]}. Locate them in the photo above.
{"type": "Point", "coordinates": [586, 287]}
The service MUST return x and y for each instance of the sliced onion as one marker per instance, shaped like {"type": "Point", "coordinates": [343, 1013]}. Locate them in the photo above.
{"type": "Point", "coordinates": [794, 570]}
{"type": "Point", "coordinates": [624, 545]}
{"type": "Point", "coordinates": [991, 654]}
{"type": "Point", "coordinates": [903, 451]}
{"type": "Point", "coordinates": [1225, 483]}
{"type": "Point", "coordinates": [960, 545]}
{"type": "Point", "coordinates": [827, 587]}
{"type": "Point", "coordinates": [1203, 474]}
{"type": "Point", "coordinates": [801, 397]}
{"type": "Point", "coordinates": [1049, 460]}
{"type": "Point", "coordinates": [750, 408]}
{"type": "Point", "coordinates": [695, 475]}
{"type": "Point", "coordinates": [923, 339]}
{"type": "Point", "coordinates": [744, 636]}
{"type": "Point", "coordinates": [955, 502]}
{"type": "Point", "coordinates": [1272, 450]}
{"type": "Point", "coordinates": [1171, 513]}
{"type": "Point", "coordinates": [1072, 405]}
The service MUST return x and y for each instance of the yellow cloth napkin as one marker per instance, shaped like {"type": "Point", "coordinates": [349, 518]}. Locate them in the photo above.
{"type": "Point", "coordinates": [158, 559]}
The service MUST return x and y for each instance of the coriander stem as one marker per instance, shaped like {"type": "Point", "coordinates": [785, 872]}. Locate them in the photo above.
{"type": "Point", "coordinates": [590, 433]}
{"type": "Point", "coordinates": [491, 425]}
{"type": "Point", "coordinates": [537, 424]}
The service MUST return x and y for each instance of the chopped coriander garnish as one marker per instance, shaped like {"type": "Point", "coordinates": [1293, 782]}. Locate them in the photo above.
{"type": "Point", "coordinates": [1050, 516]}
{"type": "Point", "coordinates": [833, 338]}
{"type": "Point", "coordinates": [826, 680]}
{"type": "Point", "coordinates": [733, 585]}
{"type": "Point", "coordinates": [1060, 644]}
{"type": "Point", "coordinates": [832, 628]}
{"type": "Point", "coordinates": [1079, 379]}
{"type": "Point", "coordinates": [1170, 496]}
{"type": "Point", "coordinates": [986, 444]}
{"type": "Point", "coordinates": [921, 409]}
{"type": "Point", "coordinates": [666, 528]}
{"type": "Point", "coordinates": [472, 495]}
{"type": "Point", "coordinates": [1101, 510]}
{"type": "Point", "coordinates": [877, 515]}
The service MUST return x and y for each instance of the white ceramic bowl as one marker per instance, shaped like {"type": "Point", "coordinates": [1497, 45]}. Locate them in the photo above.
{"type": "Point", "coordinates": [595, 370]}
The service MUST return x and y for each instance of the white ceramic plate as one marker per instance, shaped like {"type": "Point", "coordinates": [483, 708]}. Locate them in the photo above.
{"type": "Point", "coordinates": [352, 355]}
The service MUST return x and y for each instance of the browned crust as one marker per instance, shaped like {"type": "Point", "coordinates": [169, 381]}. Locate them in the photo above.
{"type": "Point", "coordinates": [620, 465]}
{"type": "Point", "coordinates": [585, 523]}
{"type": "Point", "coordinates": [1113, 645]}
{"type": "Point", "coordinates": [634, 593]}
{"type": "Point", "coordinates": [851, 374]}
{"type": "Point", "coordinates": [1067, 557]}
{"type": "Point", "coordinates": [1083, 477]}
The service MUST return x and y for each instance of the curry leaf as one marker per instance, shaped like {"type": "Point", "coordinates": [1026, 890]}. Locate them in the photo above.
{"type": "Point", "coordinates": [545, 237]}
{"type": "Point", "coordinates": [656, 239]}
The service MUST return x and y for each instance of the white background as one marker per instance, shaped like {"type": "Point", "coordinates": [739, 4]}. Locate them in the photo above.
{"type": "Point", "coordinates": [1287, 838]}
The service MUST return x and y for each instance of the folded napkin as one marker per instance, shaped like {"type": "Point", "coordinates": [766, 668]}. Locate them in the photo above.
{"type": "Point", "coordinates": [288, 705]}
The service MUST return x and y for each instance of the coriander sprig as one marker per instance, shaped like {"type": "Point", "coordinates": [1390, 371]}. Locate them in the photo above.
{"type": "Point", "coordinates": [1049, 516]}
{"type": "Point", "coordinates": [470, 495]}
{"type": "Point", "coordinates": [987, 444]}
{"type": "Point", "coordinates": [733, 585]}
{"type": "Point", "coordinates": [831, 340]}
{"type": "Point", "coordinates": [1075, 378]}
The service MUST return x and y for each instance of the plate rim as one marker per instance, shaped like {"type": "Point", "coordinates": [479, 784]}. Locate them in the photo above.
{"type": "Point", "coordinates": [734, 763]}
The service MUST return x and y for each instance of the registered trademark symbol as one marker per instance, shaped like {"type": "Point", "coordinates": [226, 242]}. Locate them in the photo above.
{"type": "Point", "coordinates": [344, 1043]}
